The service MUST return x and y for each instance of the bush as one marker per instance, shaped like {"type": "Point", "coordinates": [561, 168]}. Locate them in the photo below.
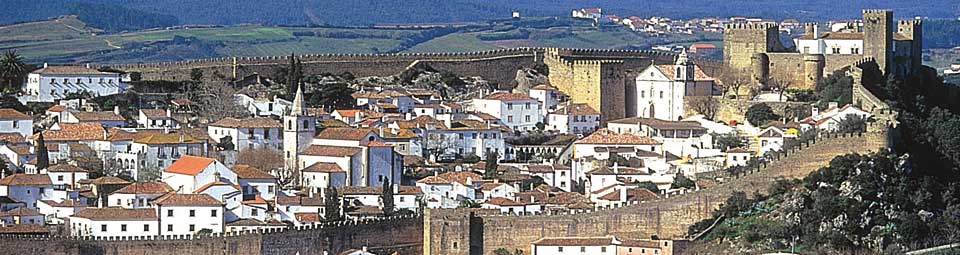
{"type": "Point", "coordinates": [760, 114]}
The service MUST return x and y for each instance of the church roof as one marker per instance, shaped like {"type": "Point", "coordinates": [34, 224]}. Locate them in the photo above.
{"type": "Point", "coordinates": [670, 71]}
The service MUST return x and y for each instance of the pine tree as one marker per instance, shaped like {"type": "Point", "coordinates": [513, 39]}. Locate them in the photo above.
{"type": "Point", "coordinates": [387, 198]}
{"type": "Point", "coordinates": [43, 158]}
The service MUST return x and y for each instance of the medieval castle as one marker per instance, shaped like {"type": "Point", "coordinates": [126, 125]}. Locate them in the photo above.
{"type": "Point", "coordinates": [756, 48]}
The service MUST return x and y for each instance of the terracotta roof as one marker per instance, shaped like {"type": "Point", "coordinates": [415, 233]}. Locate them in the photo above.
{"type": "Point", "coordinates": [499, 201]}
{"type": "Point", "coordinates": [386, 105]}
{"type": "Point", "coordinates": [621, 170]}
{"type": "Point", "coordinates": [532, 197]}
{"type": "Point", "coordinates": [377, 190]}
{"type": "Point", "coordinates": [605, 136]}
{"type": "Point", "coordinates": [307, 217]}
{"type": "Point", "coordinates": [65, 168]}
{"type": "Point", "coordinates": [574, 241]}
{"type": "Point", "coordinates": [330, 151]}
{"type": "Point", "coordinates": [167, 138]}
{"type": "Point", "coordinates": [145, 188]}
{"type": "Point", "coordinates": [670, 72]}
{"type": "Point", "coordinates": [215, 183]}
{"type": "Point", "coordinates": [189, 165]}
{"type": "Point", "coordinates": [257, 200]}
{"type": "Point", "coordinates": [74, 132]}
{"type": "Point", "coordinates": [253, 223]}
{"type": "Point", "coordinates": [737, 150]}
{"type": "Point", "coordinates": [640, 243]}
{"type": "Point", "coordinates": [154, 113]}
{"type": "Point", "coordinates": [117, 213]}
{"type": "Point", "coordinates": [336, 133]}
{"type": "Point", "coordinates": [23, 229]}
{"type": "Point", "coordinates": [329, 123]}
{"type": "Point", "coordinates": [506, 96]}
{"type": "Point", "coordinates": [324, 167]}
{"type": "Point", "coordinates": [21, 149]}
{"type": "Point", "coordinates": [365, 210]}
{"type": "Point", "coordinates": [108, 180]}
{"type": "Point", "coordinates": [450, 177]}
{"type": "Point", "coordinates": [64, 203]}
{"type": "Point", "coordinates": [119, 134]}
{"type": "Point", "coordinates": [485, 116]}
{"type": "Point", "coordinates": [181, 101]}
{"type": "Point", "coordinates": [772, 132]}
{"type": "Point", "coordinates": [12, 137]}
{"type": "Point", "coordinates": [57, 108]}
{"type": "Point", "coordinates": [421, 121]}
{"type": "Point", "coordinates": [26, 180]}
{"type": "Point", "coordinates": [19, 211]}
{"type": "Point", "coordinates": [247, 123]}
{"type": "Point", "coordinates": [561, 167]}
{"type": "Point", "coordinates": [633, 194]}
{"type": "Point", "coordinates": [576, 110]}
{"type": "Point", "coordinates": [176, 199]}
{"type": "Point", "coordinates": [491, 186]}
{"type": "Point", "coordinates": [249, 172]}
{"type": "Point", "coordinates": [97, 116]}
{"type": "Point", "coordinates": [349, 113]}
{"type": "Point", "coordinates": [64, 70]}
{"type": "Point", "coordinates": [9, 113]}
{"type": "Point", "coordinates": [544, 87]}
{"type": "Point", "coordinates": [661, 124]}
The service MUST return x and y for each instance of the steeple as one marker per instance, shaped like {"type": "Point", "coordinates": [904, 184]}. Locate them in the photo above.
{"type": "Point", "coordinates": [297, 109]}
{"type": "Point", "coordinates": [684, 67]}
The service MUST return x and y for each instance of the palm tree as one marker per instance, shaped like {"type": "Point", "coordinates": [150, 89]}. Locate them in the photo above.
{"type": "Point", "coordinates": [11, 69]}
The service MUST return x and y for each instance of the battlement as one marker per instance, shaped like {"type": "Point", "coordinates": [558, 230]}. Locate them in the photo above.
{"type": "Point", "coordinates": [910, 22]}
{"type": "Point", "coordinates": [752, 26]}
{"type": "Point", "coordinates": [877, 11]}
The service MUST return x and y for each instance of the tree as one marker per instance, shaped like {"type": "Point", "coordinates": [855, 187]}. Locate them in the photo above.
{"type": "Point", "coordinates": [387, 198]}
{"type": "Point", "coordinates": [681, 181]}
{"type": "Point", "coordinates": [136, 76]}
{"type": "Point", "coordinates": [649, 186]}
{"type": "Point", "coordinates": [264, 158]}
{"type": "Point", "coordinates": [331, 205]}
{"type": "Point", "coordinates": [5, 168]}
{"type": "Point", "coordinates": [43, 157]}
{"type": "Point", "coordinates": [729, 141]}
{"type": "Point", "coordinates": [759, 114]}
{"type": "Point", "coordinates": [12, 70]}
{"type": "Point", "coordinates": [217, 102]}
{"type": "Point", "coordinates": [852, 123]}
{"type": "Point", "coordinates": [294, 76]}
{"type": "Point", "coordinates": [504, 251]}
{"type": "Point", "coordinates": [706, 105]}
{"type": "Point", "coordinates": [732, 79]}
{"type": "Point", "coordinates": [780, 83]}
{"type": "Point", "coordinates": [438, 144]}
{"type": "Point", "coordinates": [334, 95]}
{"type": "Point", "coordinates": [490, 170]}
{"type": "Point", "coordinates": [837, 87]}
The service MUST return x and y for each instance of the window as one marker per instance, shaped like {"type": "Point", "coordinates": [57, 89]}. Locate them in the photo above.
{"type": "Point", "coordinates": [806, 49]}
{"type": "Point", "coordinates": [527, 106]}
{"type": "Point", "coordinates": [103, 227]}
{"type": "Point", "coordinates": [146, 227]}
{"type": "Point", "coordinates": [213, 213]}
{"type": "Point", "coordinates": [510, 119]}
{"type": "Point", "coordinates": [192, 227]}
{"type": "Point", "coordinates": [193, 213]}
{"type": "Point", "coordinates": [169, 212]}
{"type": "Point", "coordinates": [60, 178]}
{"type": "Point", "coordinates": [526, 118]}
{"type": "Point", "coordinates": [169, 227]}
{"type": "Point", "coordinates": [661, 94]}
{"type": "Point", "coordinates": [255, 212]}
{"type": "Point", "coordinates": [123, 227]}
{"type": "Point", "coordinates": [560, 249]}
{"type": "Point", "coordinates": [855, 50]}
{"type": "Point", "coordinates": [643, 94]}
{"type": "Point", "coordinates": [15, 123]}
{"type": "Point", "coordinates": [836, 50]}
{"type": "Point", "coordinates": [583, 249]}
{"type": "Point", "coordinates": [401, 199]}
{"type": "Point", "coordinates": [603, 249]}
{"type": "Point", "coordinates": [510, 106]}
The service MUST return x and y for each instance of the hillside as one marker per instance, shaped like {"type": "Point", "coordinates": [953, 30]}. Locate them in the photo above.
{"type": "Point", "coordinates": [365, 12]}
{"type": "Point", "coordinates": [68, 39]}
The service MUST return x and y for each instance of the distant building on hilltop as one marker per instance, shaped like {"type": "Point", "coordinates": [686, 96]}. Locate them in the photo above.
{"type": "Point", "coordinates": [52, 83]}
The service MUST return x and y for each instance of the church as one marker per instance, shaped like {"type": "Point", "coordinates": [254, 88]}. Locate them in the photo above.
{"type": "Point", "coordinates": [661, 88]}
{"type": "Point", "coordinates": [335, 157]}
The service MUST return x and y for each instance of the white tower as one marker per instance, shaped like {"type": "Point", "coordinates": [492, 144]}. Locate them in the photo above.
{"type": "Point", "coordinates": [298, 130]}
{"type": "Point", "coordinates": [684, 67]}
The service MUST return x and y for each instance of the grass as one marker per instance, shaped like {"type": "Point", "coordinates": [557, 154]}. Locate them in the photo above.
{"type": "Point", "coordinates": [456, 42]}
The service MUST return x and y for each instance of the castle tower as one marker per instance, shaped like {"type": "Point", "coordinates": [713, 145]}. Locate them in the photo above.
{"type": "Point", "coordinates": [913, 30]}
{"type": "Point", "coordinates": [813, 69]}
{"type": "Point", "coordinates": [761, 68]}
{"type": "Point", "coordinates": [742, 41]}
{"type": "Point", "coordinates": [684, 67]}
{"type": "Point", "coordinates": [299, 127]}
{"type": "Point", "coordinates": [878, 37]}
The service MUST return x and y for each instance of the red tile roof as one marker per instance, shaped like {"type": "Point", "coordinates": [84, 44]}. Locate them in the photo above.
{"type": "Point", "coordinates": [57, 108]}
{"type": "Point", "coordinates": [323, 167]}
{"type": "Point", "coordinates": [216, 183]}
{"type": "Point", "coordinates": [330, 151]}
{"type": "Point", "coordinates": [507, 96]}
{"type": "Point", "coordinates": [12, 114]}
{"type": "Point", "coordinates": [117, 213]}
{"type": "Point", "coordinates": [257, 200]}
{"type": "Point", "coordinates": [65, 168]}
{"type": "Point", "coordinates": [12, 137]}
{"type": "Point", "coordinates": [145, 188]}
{"type": "Point", "coordinates": [154, 113]}
{"type": "Point", "coordinates": [574, 241]}
{"type": "Point", "coordinates": [189, 165]}
{"type": "Point", "coordinates": [23, 229]}
{"type": "Point", "coordinates": [698, 74]}
{"type": "Point", "coordinates": [26, 180]}
{"type": "Point", "coordinates": [176, 199]}
{"type": "Point", "coordinates": [605, 136]}
{"type": "Point", "coordinates": [87, 131]}
{"type": "Point", "coordinates": [576, 110]}
{"type": "Point", "coordinates": [19, 211]}
{"type": "Point", "coordinates": [97, 116]}
{"type": "Point", "coordinates": [307, 217]}
{"type": "Point", "coordinates": [499, 201]}
{"type": "Point", "coordinates": [335, 133]}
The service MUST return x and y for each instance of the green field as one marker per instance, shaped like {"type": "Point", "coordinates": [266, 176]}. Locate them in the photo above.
{"type": "Point", "coordinates": [69, 40]}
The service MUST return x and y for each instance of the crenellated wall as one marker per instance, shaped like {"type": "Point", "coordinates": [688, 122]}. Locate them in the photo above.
{"type": "Point", "coordinates": [384, 236]}
{"type": "Point", "coordinates": [463, 232]}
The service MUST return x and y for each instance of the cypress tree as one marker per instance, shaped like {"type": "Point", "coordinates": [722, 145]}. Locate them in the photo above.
{"type": "Point", "coordinates": [43, 157]}
{"type": "Point", "coordinates": [387, 198]}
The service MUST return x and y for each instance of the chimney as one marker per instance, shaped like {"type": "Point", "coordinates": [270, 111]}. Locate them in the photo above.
{"type": "Point", "coordinates": [381, 131]}
{"type": "Point", "coordinates": [814, 111]}
{"type": "Point", "coordinates": [396, 188]}
{"type": "Point", "coordinates": [116, 109]}
{"type": "Point", "coordinates": [364, 249]}
{"type": "Point", "coordinates": [87, 65]}
{"type": "Point", "coordinates": [616, 168]}
{"type": "Point", "coordinates": [469, 180]}
{"type": "Point", "coordinates": [45, 65]}
{"type": "Point", "coordinates": [623, 193]}
{"type": "Point", "coordinates": [181, 138]}
{"type": "Point", "coordinates": [169, 113]}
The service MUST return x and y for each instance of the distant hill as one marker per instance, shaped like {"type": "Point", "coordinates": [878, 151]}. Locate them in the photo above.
{"type": "Point", "coordinates": [366, 12]}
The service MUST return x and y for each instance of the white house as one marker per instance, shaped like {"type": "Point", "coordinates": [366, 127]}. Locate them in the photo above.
{"type": "Point", "coordinates": [505, 205]}
{"type": "Point", "coordinates": [65, 176]}
{"type": "Point", "coordinates": [601, 143]}
{"type": "Point", "coordinates": [548, 96]}
{"type": "Point", "coordinates": [263, 107]}
{"type": "Point", "coordinates": [573, 118]}
{"type": "Point", "coordinates": [322, 175]}
{"type": "Point", "coordinates": [830, 43]}
{"type": "Point", "coordinates": [51, 83]}
{"type": "Point", "coordinates": [607, 245]}
{"type": "Point", "coordinates": [404, 197]}
{"type": "Point", "coordinates": [158, 150]}
{"type": "Point", "coordinates": [13, 121]}
{"type": "Point", "coordinates": [114, 221]}
{"type": "Point", "coordinates": [248, 133]}
{"type": "Point", "coordinates": [830, 119]}
{"type": "Point", "coordinates": [190, 172]}
{"type": "Point", "coordinates": [138, 194]}
{"type": "Point", "coordinates": [517, 111]}
{"type": "Point", "coordinates": [254, 182]}
{"type": "Point", "coordinates": [467, 137]}
{"type": "Point", "coordinates": [558, 176]}
{"type": "Point", "coordinates": [186, 214]}
{"type": "Point", "coordinates": [737, 157]}
{"type": "Point", "coordinates": [661, 89]}
{"type": "Point", "coordinates": [156, 119]}
{"type": "Point", "coordinates": [105, 118]}
{"type": "Point", "coordinates": [497, 189]}
{"type": "Point", "coordinates": [680, 138]}
{"type": "Point", "coordinates": [21, 215]}
{"type": "Point", "coordinates": [447, 190]}
{"type": "Point", "coordinates": [27, 188]}
{"type": "Point", "coordinates": [56, 212]}
{"type": "Point", "coordinates": [367, 160]}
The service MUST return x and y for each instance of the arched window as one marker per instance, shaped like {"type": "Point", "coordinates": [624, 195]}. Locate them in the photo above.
{"type": "Point", "coordinates": [289, 124]}
{"type": "Point", "coordinates": [678, 72]}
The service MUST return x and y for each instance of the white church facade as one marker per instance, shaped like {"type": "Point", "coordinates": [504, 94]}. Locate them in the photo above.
{"type": "Point", "coordinates": [661, 88]}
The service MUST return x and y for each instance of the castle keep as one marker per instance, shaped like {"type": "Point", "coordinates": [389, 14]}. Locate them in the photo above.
{"type": "Point", "coordinates": [756, 48]}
